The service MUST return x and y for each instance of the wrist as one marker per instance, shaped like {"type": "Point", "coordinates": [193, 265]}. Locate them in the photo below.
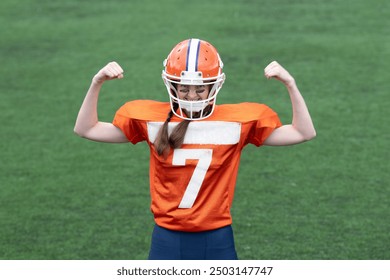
{"type": "Point", "coordinates": [290, 83]}
{"type": "Point", "coordinates": [97, 81]}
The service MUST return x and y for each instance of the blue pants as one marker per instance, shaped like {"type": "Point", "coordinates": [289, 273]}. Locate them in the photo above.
{"type": "Point", "coordinates": [215, 244]}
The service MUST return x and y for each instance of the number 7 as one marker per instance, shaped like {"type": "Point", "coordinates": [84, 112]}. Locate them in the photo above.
{"type": "Point", "coordinates": [204, 156]}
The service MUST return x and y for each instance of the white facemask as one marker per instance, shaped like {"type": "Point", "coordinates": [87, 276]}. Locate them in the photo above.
{"type": "Point", "coordinates": [193, 106]}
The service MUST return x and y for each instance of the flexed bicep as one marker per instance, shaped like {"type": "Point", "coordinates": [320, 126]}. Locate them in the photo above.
{"type": "Point", "coordinates": [87, 123]}
{"type": "Point", "coordinates": [105, 132]}
{"type": "Point", "coordinates": [284, 136]}
{"type": "Point", "coordinates": [301, 128]}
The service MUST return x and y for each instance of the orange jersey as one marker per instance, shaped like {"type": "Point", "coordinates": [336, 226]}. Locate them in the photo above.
{"type": "Point", "coordinates": [193, 188]}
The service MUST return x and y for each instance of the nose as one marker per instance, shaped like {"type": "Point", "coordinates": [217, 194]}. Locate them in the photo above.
{"type": "Point", "coordinates": [192, 95]}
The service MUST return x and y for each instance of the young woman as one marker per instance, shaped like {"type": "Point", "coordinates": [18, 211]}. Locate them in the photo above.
{"type": "Point", "coordinates": [195, 146]}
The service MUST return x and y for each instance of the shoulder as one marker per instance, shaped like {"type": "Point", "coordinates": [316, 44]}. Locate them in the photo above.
{"type": "Point", "coordinates": [144, 110]}
{"type": "Point", "coordinates": [243, 112]}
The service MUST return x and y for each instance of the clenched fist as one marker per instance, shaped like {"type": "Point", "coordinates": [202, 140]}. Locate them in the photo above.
{"type": "Point", "coordinates": [109, 72]}
{"type": "Point", "coordinates": [275, 70]}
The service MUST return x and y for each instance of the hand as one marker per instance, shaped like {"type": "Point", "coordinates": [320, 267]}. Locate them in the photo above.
{"type": "Point", "coordinates": [275, 70]}
{"type": "Point", "coordinates": [109, 72]}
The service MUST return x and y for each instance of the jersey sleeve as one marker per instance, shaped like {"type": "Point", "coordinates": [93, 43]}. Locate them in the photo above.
{"type": "Point", "coordinates": [129, 126]}
{"type": "Point", "coordinates": [264, 126]}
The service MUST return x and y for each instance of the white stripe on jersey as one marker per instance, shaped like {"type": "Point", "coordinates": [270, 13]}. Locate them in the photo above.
{"type": "Point", "coordinates": [213, 132]}
{"type": "Point", "coordinates": [192, 56]}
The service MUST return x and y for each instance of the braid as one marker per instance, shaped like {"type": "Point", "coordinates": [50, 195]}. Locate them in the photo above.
{"type": "Point", "coordinates": [164, 142]}
{"type": "Point", "coordinates": [177, 136]}
{"type": "Point", "coordinates": [161, 143]}
{"type": "Point", "coordinates": [170, 115]}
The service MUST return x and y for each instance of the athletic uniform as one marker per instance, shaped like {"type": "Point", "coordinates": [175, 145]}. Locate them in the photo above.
{"type": "Point", "coordinates": [192, 189]}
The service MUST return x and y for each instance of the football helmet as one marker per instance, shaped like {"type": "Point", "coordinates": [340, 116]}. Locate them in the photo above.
{"type": "Point", "coordinates": [193, 62]}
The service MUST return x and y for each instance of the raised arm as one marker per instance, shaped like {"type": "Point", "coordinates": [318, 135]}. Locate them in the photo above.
{"type": "Point", "coordinates": [87, 123]}
{"type": "Point", "coordinates": [301, 129]}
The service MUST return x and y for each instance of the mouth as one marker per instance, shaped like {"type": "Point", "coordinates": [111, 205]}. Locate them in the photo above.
{"type": "Point", "coordinates": [191, 100]}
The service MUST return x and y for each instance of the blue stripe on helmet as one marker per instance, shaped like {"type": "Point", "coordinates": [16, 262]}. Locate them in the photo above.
{"type": "Point", "coordinates": [197, 56]}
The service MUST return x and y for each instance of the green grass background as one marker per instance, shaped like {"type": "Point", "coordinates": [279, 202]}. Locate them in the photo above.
{"type": "Point", "coordinates": [62, 197]}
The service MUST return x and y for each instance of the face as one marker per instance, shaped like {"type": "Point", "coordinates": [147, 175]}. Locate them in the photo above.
{"type": "Point", "coordinates": [192, 92]}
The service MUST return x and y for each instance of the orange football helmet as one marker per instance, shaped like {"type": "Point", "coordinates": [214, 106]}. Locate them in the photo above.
{"type": "Point", "coordinates": [193, 62]}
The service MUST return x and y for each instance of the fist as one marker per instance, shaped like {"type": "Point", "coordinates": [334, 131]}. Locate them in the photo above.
{"type": "Point", "coordinates": [109, 72]}
{"type": "Point", "coordinates": [275, 70]}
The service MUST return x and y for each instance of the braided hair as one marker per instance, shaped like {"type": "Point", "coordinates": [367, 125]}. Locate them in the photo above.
{"type": "Point", "coordinates": [164, 142]}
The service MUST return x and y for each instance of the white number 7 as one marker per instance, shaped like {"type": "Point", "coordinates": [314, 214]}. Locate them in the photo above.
{"type": "Point", "coordinates": [204, 156]}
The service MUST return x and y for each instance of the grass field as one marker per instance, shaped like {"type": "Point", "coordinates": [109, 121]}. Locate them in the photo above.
{"type": "Point", "coordinates": [62, 197]}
